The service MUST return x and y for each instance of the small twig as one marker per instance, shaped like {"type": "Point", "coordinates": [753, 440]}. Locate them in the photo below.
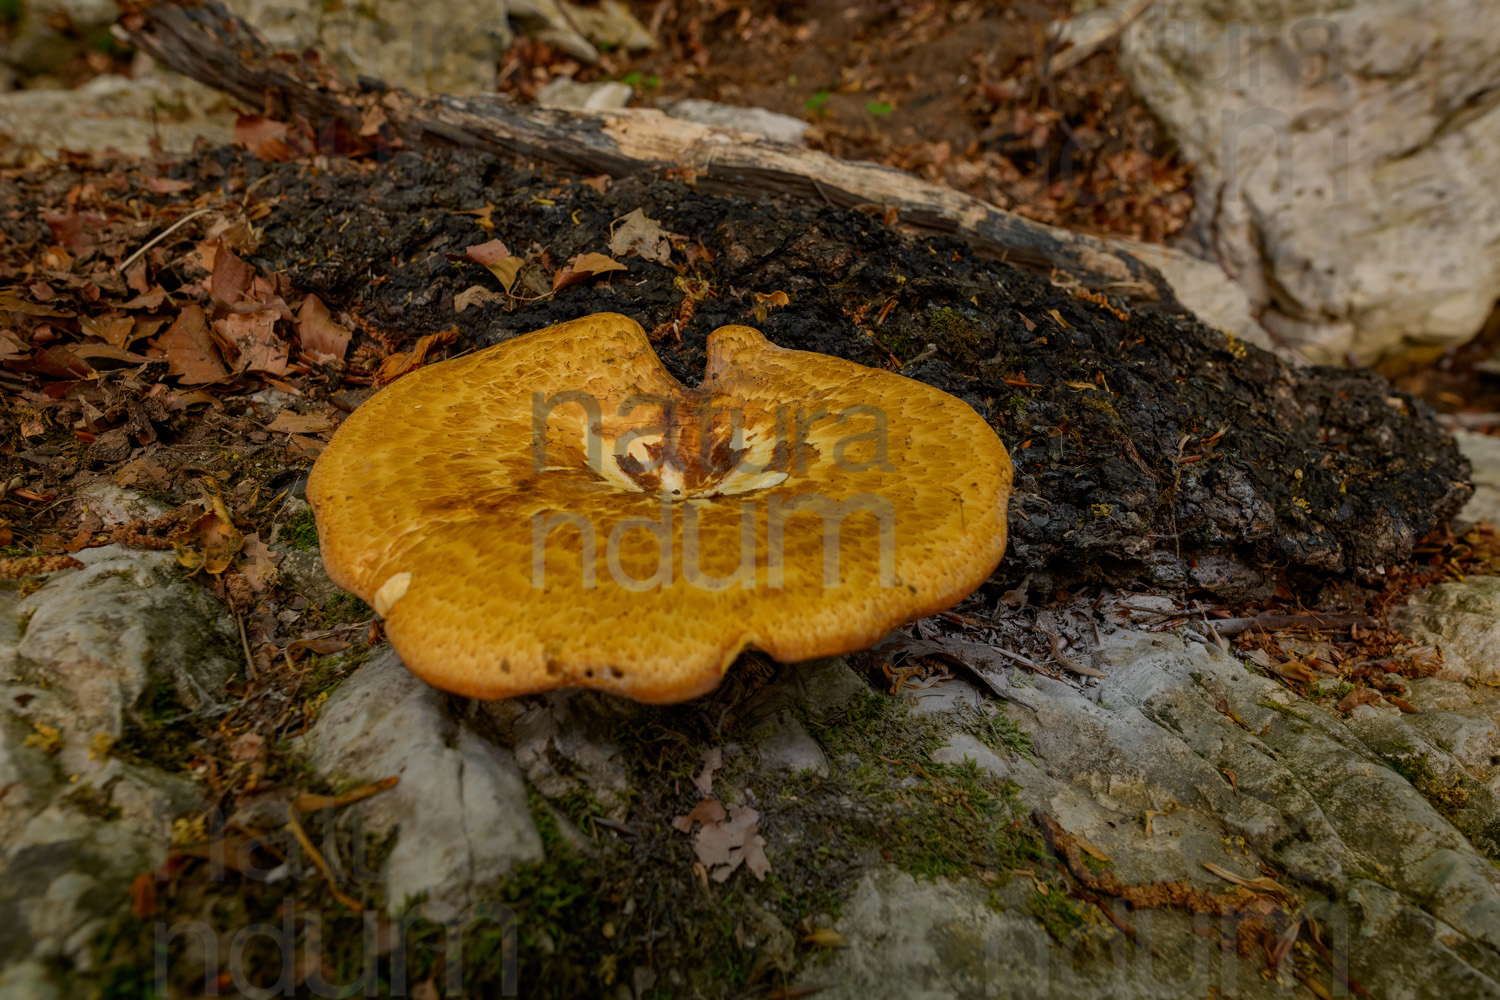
{"type": "Point", "coordinates": [239, 620]}
{"type": "Point", "coordinates": [1315, 937]}
{"type": "Point", "coordinates": [295, 826]}
{"type": "Point", "coordinates": [624, 829]}
{"type": "Point", "coordinates": [931, 350]}
{"type": "Point", "coordinates": [1219, 640]}
{"type": "Point", "coordinates": [1024, 661]}
{"type": "Point", "coordinates": [163, 235]}
{"type": "Point", "coordinates": [315, 803]}
{"type": "Point", "coordinates": [1071, 665]}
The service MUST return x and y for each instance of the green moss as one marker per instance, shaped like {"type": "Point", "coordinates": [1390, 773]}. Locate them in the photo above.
{"type": "Point", "coordinates": [1447, 797]}
{"type": "Point", "coordinates": [1057, 912]}
{"type": "Point", "coordinates": [104, 41]}
{"type": "Point", "coordinates": [158, 730]}
{"type": "Point", "coordinates": [997, 729]}
{"type": "Point", "coordinates": [586, 915]}
{"type": "Point", "coordinates": [580, 806]}
{"type": "Point", "coordinates": [899, 343]}
{"type": "Point", "coordinates": [848, 729]}
{"type": "Point", "coordinates": [553, 899]}
{"type": "Point", "coordinates": [301, 531]}
{"type": "Point", "coordinates": [1285, 710]}
{"type": "Point", "coordinates": [1407, 762]}
{"type": "Point", "coordinates": [325, 673]}
{"type": "Point", "coordinates": [965, 827]}
{"type": "Point", "coordinates": [929, 818]}
{"type": "Point", "coordinates": [343, 609]}
{"type": "Point", "coordinates": [950, 322]}
{"type": "Point", "coordinates": [1099, 401]}
{"type": "Point", "coordinates": [92, 801]}
{"type": "Point", "coordinates": [955, 334]}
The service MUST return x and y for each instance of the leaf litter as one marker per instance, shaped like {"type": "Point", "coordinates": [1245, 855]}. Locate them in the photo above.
{"type": "Point", "coordinates": [724, 840]}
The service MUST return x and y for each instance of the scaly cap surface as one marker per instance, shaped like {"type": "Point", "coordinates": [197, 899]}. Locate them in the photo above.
{"type": "Point", "coordinates": [436, 504]}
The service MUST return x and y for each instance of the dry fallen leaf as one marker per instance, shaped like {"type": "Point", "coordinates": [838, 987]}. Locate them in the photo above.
{"type": "Point", "coordinates": [165, 185]}
{"type": "Point", "coordinates": [1262, 884]}
{"type": "Point", "coordinates": [766, 301]}
{"type": "Point", "coordinates": [474, 295]}
{"type": "Point", "coordinates": [713, 759]}
{"type": "Point", "coordinates": [826, 937]}
{"type": "Point", "coordinates": [724, 846]}
{"type": "Point", "coordinates": [231, 277]}
{"type": "Point", "coordinates": [209, 543]}
{"type": "Point", "coordinates": [642, 236]}
{"type": "Point", "coordinates": [1091, 850]}
{"type": "Point", "coordinates": [247, 747]}
{"type": "Point", "coordinates": [324, 340]}
{"type": "Point", "coordinates": [501, 262]}
{"type": "Point", "coordinates": [10, 302]}
{"type": "Point", "coordinates": [253, 336]}
{"type": "Point", "coordinates": [583, 268]}
{"type": "Point", "coordinates": [299, 447]}
{"type": "Point", "coordinates": [12, 346]}
{"type": "Point", "coordinates": [190, 351]}
{"type": "Point", "coordinates": [705, 812]}
{"type": "Point", "coordinates": [1357, 697]}
{"type": "Point", "coordinates": [371, 122]}
{"type": "Point", "coordinates": [143, 902]}
{"type": "Point", "coordinates": [266, 139]}
{"type": "Point", "coordinates": [405, 362]}
{"type": "Point", "coordinates": [483, 216]}
{"type": "Point", "coordinates": [59, 362]}
{"type": "Point", "coordinates": [113, 330]}
{"type": "Point", "coordinates": [322, 647]}
{"type": "Point", "coordinates": [258, 563]}
{"type": "Point", "coordinates": [1295, 671]}
{"type": "Point", "coordinates": [146, 300]}
{"type": "Point", "coordinates": [292, 422]}
{"type": "Point", "coordinates": [93, 352]}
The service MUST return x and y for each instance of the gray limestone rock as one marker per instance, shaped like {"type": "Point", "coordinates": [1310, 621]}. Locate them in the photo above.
{"type": "Point", "coordinates": [101, 639]}
{"type": "Point", "coordinates": [114, 112]}
{"type": "Point", "coordinates": [79, 658]}
{"type": "Point", "coordinates": [460, 809]}
{"type": "Point", "coordinates": [1344, 158]}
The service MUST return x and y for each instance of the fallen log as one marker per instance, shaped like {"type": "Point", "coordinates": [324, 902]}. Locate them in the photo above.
{"type": "Point", "coordinates": [213, 46]}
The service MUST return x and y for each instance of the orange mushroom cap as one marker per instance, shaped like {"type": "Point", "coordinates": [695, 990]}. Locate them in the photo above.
{"type": "Point", "coordinates": [559, 511]}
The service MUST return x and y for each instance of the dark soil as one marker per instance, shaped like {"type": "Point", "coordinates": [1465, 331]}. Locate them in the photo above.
{"type": "Point", "coordinates": [1149, 448]}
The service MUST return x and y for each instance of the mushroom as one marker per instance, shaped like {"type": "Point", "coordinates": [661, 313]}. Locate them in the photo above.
{"type": "Point", "coordinates": [559, 511]}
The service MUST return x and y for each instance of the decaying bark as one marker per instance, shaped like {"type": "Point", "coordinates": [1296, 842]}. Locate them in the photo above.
{"type": "Point", "coordinates": [215, 47]}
